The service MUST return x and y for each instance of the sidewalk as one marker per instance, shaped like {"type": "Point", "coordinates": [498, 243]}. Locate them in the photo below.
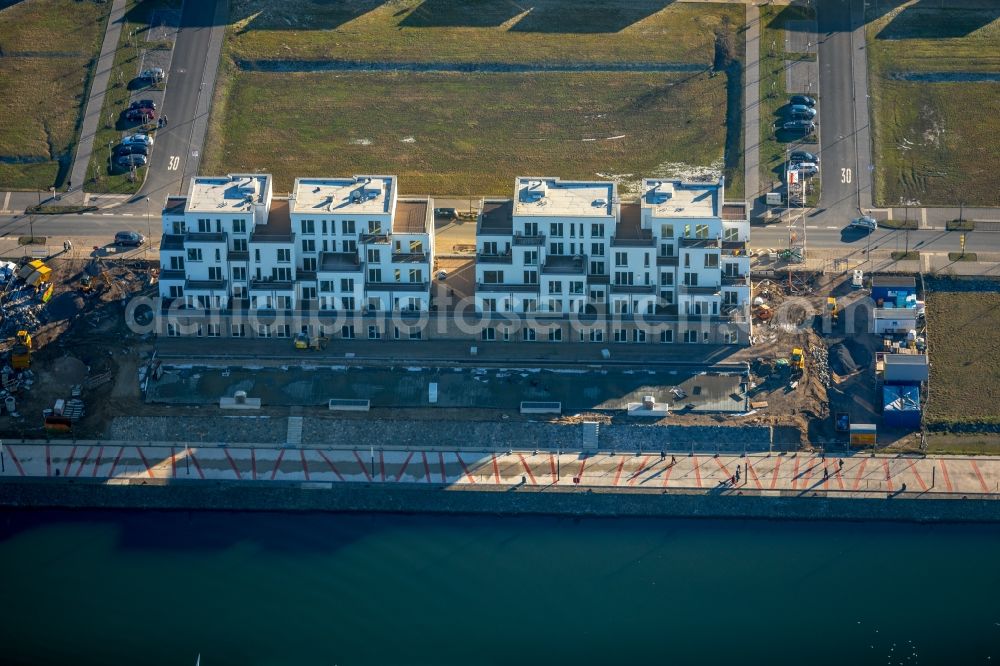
{"type": "Point", "coordinates": [751, 107]}
{"type": "Point", "coordinates": [789, 475]}
{"type": "Point", "coordinates": [881, 261]}
{"type": "Point", "coordinates": [92, 115]}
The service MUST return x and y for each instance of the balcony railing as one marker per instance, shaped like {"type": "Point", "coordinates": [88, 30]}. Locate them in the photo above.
{"type": "Point", "coordinates": [633, 288]}
{"type": "Point", "coordinates": [267, 284]}
{"type": "Point", "coordinates": [734, 280]}
{"type": "Point", "coordinates": [506, 287]}
{"type": "Point", "coordinates": [397, 286]}
{"type": "Point", "coordinates": [494, 258]}
{"type": "Point", "coordinates": [618, 241]}
{"type": "Point", "coordinates": [410, 257]}
{"type": "Point", "coordinates": [537, 239]}
{"type": "Point", "coordinates": [565, 265]}
{"type": "Point", "coordinates": [698, 289]}
{"type": "Point", "coordinates": [666, 260]}
{"type": "Point", "coordinates": [699, 243]}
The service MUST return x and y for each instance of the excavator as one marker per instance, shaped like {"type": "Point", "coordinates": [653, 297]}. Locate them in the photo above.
{"type": "Point", "coordinates": [20, 355]}
{"type": "Point", "coordinates": [798, 361]}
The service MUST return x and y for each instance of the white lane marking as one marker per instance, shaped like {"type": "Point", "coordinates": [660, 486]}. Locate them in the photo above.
{"type": "Point", "coordinates": [107, 214]}
{"type": "Point", "coordinates": [833, 227]}
{"type": "Point", "coordinates": [6, 201]}
{"type": "Point", "coordinates": [128, 214]}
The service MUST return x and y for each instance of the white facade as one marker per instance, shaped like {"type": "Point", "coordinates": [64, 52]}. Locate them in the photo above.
{"type": "Point", "coordinates": [336, 244]}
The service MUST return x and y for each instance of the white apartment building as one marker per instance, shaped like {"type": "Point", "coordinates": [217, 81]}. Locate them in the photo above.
{"type": "Point", "coordinates": [336, 248]}
{"type": "Point", "coordinates": [673, 267]}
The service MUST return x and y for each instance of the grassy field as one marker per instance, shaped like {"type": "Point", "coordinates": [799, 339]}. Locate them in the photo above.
{"type": "Point", "coordinates": [479, 30]}
{"type": "Point", "coordinates": [472, 133]}
{"type": "Point", "coordinates": [936, 142]}
{"type": "Point", "coordinates": [965, 357]}
{"type": "Point", "coordinates": [49, 48]}
{"type": "Point", "coordinates": [773, 94]}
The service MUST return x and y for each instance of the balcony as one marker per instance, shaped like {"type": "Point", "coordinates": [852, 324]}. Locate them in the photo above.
{"type": "Point", "coordinates": [735, 280]}
{"type": "Point", "coordinates": [233, 255]}
{"type": "Point", "coordinates": [704, 290]}
{"type": "Point", "coordinates": [375, 239]}
{"type": "Point", "coordinates": [397, 286]}
{"type": "Point", "coordinates": [204, 237]}
{"type": "Point", "coordinates": [735, 247]}
{"type": "Point", "coordinates": [506, 287]}
{"type": "Point", "coordinates": [172, 242]}
{"type": "Point", "coordinates": [205, 285]}
{"type": "Point", "coordinates": [700, 243]}
{"type": "Point", "coordinates": [645, 240]}
{"type": "Point", "coordinates": [666, 260]}
{"type": "Point", "coordinates": [598, 279]}
{"type": "Point", "coordinates": [565, 265]}
{"type": "Point", "coordinates": [267, 284]}
{"type": "Point", "coordinates": [171, 275]}
{"type": "Point", "coordinates": [410, 257]}
{"type": "Point", "coordinates": [520, 239]}
{"type": "Point", "coordinates": [494, 258]}
{"type": "Point", "coordinates": [633, 288]}
{"type": "Point", "coordinates": [265, 237]}
{"type": "Point", "coordinates": [339, 262]}
{"type": "Point", "coordinates": [305, 276]}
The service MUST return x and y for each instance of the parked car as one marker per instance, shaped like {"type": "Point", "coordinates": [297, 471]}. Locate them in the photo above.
{"type": "Point", "coordinates": [143, 104]}
{"type": "Point", "coordinates": [132, 149]}
{"type": "Point", "coordinates": [133, 238]}
{"type": "Point", "coordinates": [143, 139]}
{"type": "Point", "coordinates": [132, 160]}
{"type": "Point", "coordinates": [804, 126]}
{"type": "Point", "coordinates": [801, 111]}
{"type": "Point", "coordinates": [445, 213]}
{"type": "Point", "coordinates": [864, 222]}
{"type": "Point", "coordinates": [802, 156]}
{"type": "Point", "coordinates": [805, 100]}
{"type": "Point", "coordinates": [140, 115]}
{"type": "Point", "coordinates": [153, 74]}
{"type": "Point", "coordinates": [806, 169]}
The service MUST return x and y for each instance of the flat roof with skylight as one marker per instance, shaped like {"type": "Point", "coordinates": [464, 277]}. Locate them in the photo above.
{"type": "Point", "coordinates": [677, 199]}
{"type": "Point", "coordinates": [568, 198]}
{"type": "Point", "coordinates": [359, 194]}
{"type": "Point", "coordinates": [227, 194]}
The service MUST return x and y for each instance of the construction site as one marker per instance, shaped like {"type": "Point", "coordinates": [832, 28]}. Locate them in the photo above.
{"type": "Point", "coordinates": [74, 369]}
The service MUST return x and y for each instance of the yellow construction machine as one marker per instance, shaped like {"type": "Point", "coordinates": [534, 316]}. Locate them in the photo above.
{"type": "Point", "coordinates": [303, 341]}
{"type": "Point", "coordinates": [831, 307]}
{"type": "Point", "coordinates": [20, 355]}
{"type": "Point", "coordinates": [798, 362]}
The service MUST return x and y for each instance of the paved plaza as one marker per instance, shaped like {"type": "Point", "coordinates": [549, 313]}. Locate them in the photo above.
{"type": "Point", "coordinates": [860, 475]}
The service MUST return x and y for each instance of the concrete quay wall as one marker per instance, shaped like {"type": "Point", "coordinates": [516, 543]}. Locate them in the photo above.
{"type": "Point", "coordinates": [410, 499]}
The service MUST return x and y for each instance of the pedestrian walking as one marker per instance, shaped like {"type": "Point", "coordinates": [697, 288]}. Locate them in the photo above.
{"type": "Point", "coordinates": [663, 455]}
{"type": "Point", "coordinates": [904, 488]}
{"type": "Point", "coordinates": [841, 463]}
{"type": "Point", "coordinates": [826, 474]}
{"type": "Point", "coordinates": [673, 460]}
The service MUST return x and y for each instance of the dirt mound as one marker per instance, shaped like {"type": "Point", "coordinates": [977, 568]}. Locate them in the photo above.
{"type": "Point", "coordinates": [69, 370]}
{"type": "Point", "coordinates": [859, 352]}
{"type": "Point", "coordinates": [841, 361]}
{"type": "Point", "coordinates": [65, 306]}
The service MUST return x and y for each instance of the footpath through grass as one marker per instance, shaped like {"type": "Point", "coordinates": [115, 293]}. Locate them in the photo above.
{"type": "Point", "coordinates": [49, 48]}
{"type": "Point", "coordinates": [472, 133]}
{"type": "Point", "coordinates": [936, 141]}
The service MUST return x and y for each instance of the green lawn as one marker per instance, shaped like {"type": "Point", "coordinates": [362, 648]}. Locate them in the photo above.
{"type": "Point", "coordinates": [773, 94]}
{"type": "Point", "coordinates": [479, 30]}
{"type": "Point", "coordinates": [467, 133]}
{"type": "Point", "coordinates": [472, 133]}
{"type": "Point", "coordinates": [936, 142]}
{"type": "Point", "coordinates": [49, 48]}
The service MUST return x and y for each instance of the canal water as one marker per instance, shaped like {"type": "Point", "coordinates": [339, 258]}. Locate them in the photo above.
{"type": "Point", "coordinates": [160, 588]}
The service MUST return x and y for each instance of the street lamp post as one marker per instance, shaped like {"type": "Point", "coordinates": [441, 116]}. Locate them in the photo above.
{"type": "Point", "coordinates": [148, 230]}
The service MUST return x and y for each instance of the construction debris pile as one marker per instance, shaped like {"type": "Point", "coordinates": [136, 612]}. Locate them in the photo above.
{"type": "Point", "coordinates": [821, 364]}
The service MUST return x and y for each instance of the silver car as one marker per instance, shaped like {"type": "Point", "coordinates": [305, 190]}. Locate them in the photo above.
{"type": "Point", "coordinates": [864, 222]}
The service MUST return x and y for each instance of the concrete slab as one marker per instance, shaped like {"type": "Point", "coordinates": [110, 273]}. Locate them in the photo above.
{"type": "Point", "coordinates": [800, 37]}
{"type": "Point", "coordinates": [801, 76]}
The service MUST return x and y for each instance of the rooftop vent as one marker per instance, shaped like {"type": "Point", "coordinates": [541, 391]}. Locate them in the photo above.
{"type": "Point", "coordinates": [598, 203]}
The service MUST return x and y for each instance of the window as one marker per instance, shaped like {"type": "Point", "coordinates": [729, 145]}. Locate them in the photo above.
{"type": "Point", "coordinates": [506, 334]}
{"type": "Point", "coordinates": [701, 231]}
{"type": "Point", "coordinates": [283, 302]}
{"type": "Point", "coordinates": [621, 335]}
{"type": "Point", "coordinates": [416, 275]}
{"type": "Point", "coordinates": [492, 277]}
{"type": "Point", "coordinates": [666, 335]}
{"type": "Point", "coordinates": [415, 333]}
{"type": "Point", "coordinates": [323, 222]}
{"type": "Point", "coordinates": [374, 256]}
{"type": "Point", "coordinates": [256, 255]}
{"type": "Point", "coordinates": [666, 279]}
{"type": "Point", "coordinates": [666, 249]}
{"type": "Point", "coordinates": [731, 234]}
{"type": "Point", "coordinates": [309, 293]}
{"type": "Point", "coordinates": [597, 249]}
{"type": "Point", "coordinates": [621, 307]}
{"type": "Point", "coordinates": [326, 285]}
{"type": "Point", "coordinates": [396, 275]}
{"type": "Point", "coordinates": [176, 263]}
{"type": "Point", "coordinates": [238, 330]}
{"type": "Point", "coordinates": [624, 278]}
{"type": "Point", "coordinates": [557, 249]}
{"type": "Point", "coordinates": [416, 247]}
{"type": "Point", "coordinates": [204, 226]}
{"type": "Point", "coordinates": [667, 297]}
{"type": "Point", "coordinates": [218, 254]}
{"type": "Point", "coordinates": [283, 330]}
{"type": "Point", "coordinates": [176, 292]}
{"type": "Point", "coordinates": [172, 330]}
{"type": "Point", "coordinates": [597, 335]}
{"type": "Point", "coordinates": [309, 264]}
{"type": "Point", "coordinates": [215, 272]}
{"type": "Point", "coordinates": [348, 303]}
{"type": "Point", "coordinates": [347, 226]}
{"type": "Point", "coordinates": [281, 274]}
{"type": "Point", "coordinates": [374, 226]}
{"type": "Point", "coordinates": [691, 279]}
{"type": "Point", "coordinates": [350, 246]}
{"type": "Point", "coordinates": [531, 258]}
{"type": "Point", "coordinates": [691, 336]}
{"type": "Point", "coordinates": [194, 254]}
{"type": "Point", "coordinates": [730, 297]}
{"type": "Point", "coordinates": [576, 287]}
{"type": "Point", "coordinates": [374, 333]}
{"type": "Point", "coordinates": [284, 255]}
{"type": "Point", "coordinates": [638, 335]}
{"type": "Point", "coordinates": [374, 304]}
{"type": "Point", "coordinates": [347, 284]}
{"type": "Point", "coordinates": [530, 305]}
{"type": "Point", "coordinates": [489, 305]}
{"type": "Point", "coordinates": [347, 332]}
{"type": "Point", "coordinates": [597, 230]}
{"type": "Point", "coordinates": [555, 334]}
{"type": "Point", "coordinates": [263, 331]}
{"type": "Point", "coordinates": [554, 305]}
{"type": "Point", "coordinates": [489, 334]}
{"type": "Point", "coordinates": [239, 245]}
{"type": "Point", "coordinates": [555, 287]}
{"type": "Point", "coordinates": [530, 228]}
{"type": "Point", "coordinates": [489, 247]}
{"type": "Point", "coordinates": [239, 226]}
{"type": "Point", "coordinates": [374, 275]}
{"type": "Point", "coordinates": [556, 229]}
{"type": "Point", "coordinates": [530, 277]}
{"type": "Point", "coordinates": [666, 231]}
{"type": "Point", "coordinates": [597, 268]}
{"type": "Point", "coordinates": [711, 260]}
{"type": "Point", "coordinates": [308, 245]}
{"type": "Point", "coordinates": [621, 258]}
{"type": "Point", "coordinates": [529, 334]}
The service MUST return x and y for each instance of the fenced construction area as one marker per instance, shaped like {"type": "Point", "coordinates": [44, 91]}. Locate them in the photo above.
{"type": "Point", "coordinates": [934, 72]}
{"type": "Point", "coordinates": [461, 97]}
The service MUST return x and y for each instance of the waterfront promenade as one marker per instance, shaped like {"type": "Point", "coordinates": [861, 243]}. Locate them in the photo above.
{"type": "Point", "coordinates": [859, 475]}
